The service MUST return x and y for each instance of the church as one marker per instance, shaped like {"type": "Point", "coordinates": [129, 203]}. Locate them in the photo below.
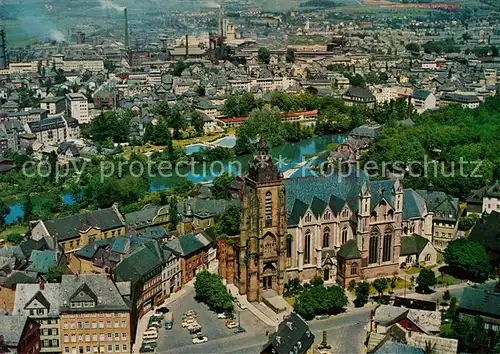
{"type": "Point", "coordinates": [340, 228]}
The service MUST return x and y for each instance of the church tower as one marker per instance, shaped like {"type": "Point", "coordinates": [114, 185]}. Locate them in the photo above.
{"type": "Point", "coordinates": [262, 243]}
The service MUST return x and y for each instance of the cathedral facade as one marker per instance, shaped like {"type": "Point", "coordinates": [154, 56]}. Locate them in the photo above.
{"type": "Point", "coordinates": [336, 227]}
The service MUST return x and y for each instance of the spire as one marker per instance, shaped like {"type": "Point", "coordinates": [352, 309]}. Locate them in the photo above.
{"type": "Point", "coordinates": [263, 147]}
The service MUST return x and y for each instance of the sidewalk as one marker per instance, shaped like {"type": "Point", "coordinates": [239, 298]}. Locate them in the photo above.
{"type": "Point", "coordinates": [243, 300]}
{"type": "Point", "coordinates": [143, 322]}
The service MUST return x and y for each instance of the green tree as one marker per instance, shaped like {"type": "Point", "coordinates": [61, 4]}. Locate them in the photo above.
{"type": "Point", "coordinates": [54, 274]}
{"type": "Point", "coordinates": [200, 90]}
{"type": "Point", "coordinates": [352, 285]}
{"type": "Point", "coordinates": [394, 282]}
{"type": "Point", "coordinates": [469, 257]}
{"type": "Point", "coordinates": [426, 278]}
{"type": "Point", "coordinates": [413, 47]}
{"type": "Point", "coordinates": [59, 78]}
{"type": "Point", "coordinates": [53, 166]}
{"type": "Point", "coordinates": [211, 291]}
{"type": "Point", "coordinates": [28, 208]}
{"type": "Point", "coordinates": [4, 211]}
{"type": "Point", "coordinates": [179, 67]}
{"type": "Point", "coordinates": [319, 300]}
{"type": "Point", "coordinates": [380, 284]}
{"type": "Point", "coordinates": [197, 122]}
{"type": "Point", "coordinates": [447, 295]}
{"type": "Point", "coordinates": [220, 188]}
{"type": "Point", "coordinates": [15, 239]}
{"type": "Point", "coordinates": [264, 55]}
{"type": "Point", "coordinates": [290, 55]}
{"type": "Point", "coordinates": [173, 214]}
{"type": "Point", "coordinates": [228, 222]}
{"type": "Point", "coordinates": [362, 294]}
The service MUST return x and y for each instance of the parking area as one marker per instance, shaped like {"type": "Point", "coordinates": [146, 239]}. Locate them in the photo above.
{"type": "Point", "coordinates": [212, 327]}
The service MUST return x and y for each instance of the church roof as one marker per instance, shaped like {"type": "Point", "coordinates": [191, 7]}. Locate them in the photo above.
{"type": "Point", "coordinates": [349, 250]}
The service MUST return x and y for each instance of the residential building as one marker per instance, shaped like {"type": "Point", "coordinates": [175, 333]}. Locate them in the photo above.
{"type": "Point", "coordinates": [358, 96]}
{"type": "Point", "coordinates": [200, 214]}
{"type": "Point", "coordinates": [478, 302]}
{"type": "Point", "coordinates": [41, 303]}
{"type": "Point", "coordinates": [150, 215]}
{"type": "Point", "coordinates": [54, 105]}
{"type": "Point", "coordinates": [466, 101]}
{"type": "Point", "coordinates": [77, 107]}
{"type": "Point", "coordinates": [67, 151]}
{"type": "Point", "coordinates": [484, 200]}
{"type": "Point", "coordinates": [20, 335]}
{"type": "Point", "coordinates": [172, 277]}
{"type": "Point", "coordinates": [8, 283]}
{"type": "Point", "coordinates": [365, 134]}
{"type": "Point", "coordinates": [292, 336]}
{"type": "Point", "coordinates": [446, 213]}
{"type": "Point", "coordinates": [76, 231]}
{"type": "Point", "coordinates": [423, 100]}
{"type": "Point", "coordinates": [92, 64]}
{"type": "Point", "coordinates": [54, 130]}
{"type": "Point", "coordinates": [193, 251]}
{"type": "Point", "coordinates": [95, 318]}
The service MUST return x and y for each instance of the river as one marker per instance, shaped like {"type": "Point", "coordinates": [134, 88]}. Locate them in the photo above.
{"type": "Point", "coordinates": [289, 156]}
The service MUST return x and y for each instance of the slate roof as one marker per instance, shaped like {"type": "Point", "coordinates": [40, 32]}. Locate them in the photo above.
{"type": "Point", "coordinates": [413, 244]}
{"type": "Point", "coordinates": [444, 206]}
{"type": "Point", "coordinates": [204, 208]}
{"type": "Point", "coordinates": [398, 348]}
{"type": "Point", "coordinates": [48, 296]}
{"type": "Point", "coordinates": [28, 246]}
{"type": "Point", "coordinates": [487, 231]}
{"type": "Point", "coordinates": [68, 227]}
{"type": "Point", "coordinates": [477, 196]}
{"type": "Point", "coordinates": [366, 131]}
{"type": "Point", "coordinates": [145, 216]}
{"type": "Point", "coordinates": [18, 277]}
{"type": "Point", "coordinates": [185, 245]}
{"type": "Point", "coordinates": [12, 329]}
{"type": "Point", "coordinates": [349, 250]}
{"type": "Point", "coordinates": [454, 97]}
{"type": "Point", "coordinates": [413, 204]}
{"type": "Point", "coordinates": [145, 259]}
{"type": "Point", "coordinates": [337, 190]}
{"type": "Point", "coordinates": [41, 261]}
{"type": "Point", "coordinates": [480, 302]}
{"type": "Point", "coordinates": [360, 92]}
{"type": "Point", "coordinates": [65, 146]}
{"type": "Point", "coordinates": [293, 336]}
{"type": "Point", "coordinates": [421, 94]}
{"type": "Point", "coordinates": [108, 296]}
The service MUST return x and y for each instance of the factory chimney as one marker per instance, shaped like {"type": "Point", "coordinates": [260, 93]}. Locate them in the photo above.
{"type": "Point", "coordinates": [4, 63]}
{"type": "Point", "coordinates": [126, 28]}
{"type": "Point", "coordinates": [410, 109]}
{"type": "Point", "coordinates": [187, 47]}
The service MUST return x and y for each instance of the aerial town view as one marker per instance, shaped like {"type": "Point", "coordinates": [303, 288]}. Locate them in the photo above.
{"type": "Point", "coordinates": [250, 176]}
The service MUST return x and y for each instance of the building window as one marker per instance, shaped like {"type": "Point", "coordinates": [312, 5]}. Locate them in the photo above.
{"type": "Point", "coordinates": [110, 348]}
{"type": "Point", "coordinates": [344, 235]}
{"type": "Point", "coordinates": [326, 238]}
{"type": "Point", "coordinates": [327, 215]}
{"type": "Point", "coordinates": [117, 348]}
{"type": "Point", "coordinates": [124, 348]}
{"type": "Point", "coordinates": [427, 258]}
{"type": "Point", "coordinates": [373, 250]}
{"type": "Point", "coordinates": [308, 217]}
{"type": "Point", "coordinates": [66, 350]}
{"type": "Point", "coordinates": [387, 252]}
{"type": "Point", "coordinates": [354, 269]}
{"type": "Point", "coordinates": [289, 246]}
{"type": "Point", "coordinates": [307, 247]}
{"type": "Point", "coordinates": [269, 207]}
{"type": "Point", "coordinates": [345, 213]}
{"type": "Point", "coordinates": [412, 228]}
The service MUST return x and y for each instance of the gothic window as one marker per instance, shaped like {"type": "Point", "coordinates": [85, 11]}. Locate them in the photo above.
{"type": "Point", "coordinates": [405, 230]}
{"type": "Point", "coordinates": [326, 238]}
{"type": "Point", "coordinates": [412, 228]}
{"type": "Point", "coordinates": [345, 213]}
{"type": "Point", "coordinates": [269, 206]}
{"type": "Point", "coordinates": [344, 235]}
{"type": "Point", "coordinates": [327, 215]}
{"type": "Point", "coordinates": [308, 217]}
{"type": "Point", "coordinates": [289, 247]}
{"type": "Point", "coordinates": [354, 269]}
{"type": "Point", "coordinates": [390, 214]}
{"type": "Point", "coordinates": [387, 254]}
{"type": "Point", "coordinates": [307, 247]}
{"type": "Point", "coordinates": [373, 250]}
{"type": "Point", "coordinates": [427, 258]}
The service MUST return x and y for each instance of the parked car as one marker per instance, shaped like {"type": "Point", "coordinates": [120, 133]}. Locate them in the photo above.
{"type": "Point", "coordinates": [241, 306]}
{"type": "Point", "coordinates": [190, 313]}
{"type": "Point", "coordinates": [154, 322]}
{"type": "Point", "coordinates": [221, 315]}
{"type": "Point", "coordinates": [231, 324]}
{"type": "Point", "coordinates": [321, 317]}
{"type": "Point", "coordinates": [194, 329]}
{"type": "Point", "coordinates": [189, 322]}
{"type": "Point", "coordinates": [162, 310]}
{"type": "Point", "coordinates": [240, 330]}
{"type": "Point", "coordinates": [196, 334]}
{"type": "Point", "coordinates": [147, 349]}
{"type": "Point", "coordinates": [199, 340]}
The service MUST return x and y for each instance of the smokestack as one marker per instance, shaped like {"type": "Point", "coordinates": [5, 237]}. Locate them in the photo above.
{"type": "Point", "coordinates": [126, 28]}
{"type": "Point", "coordinates": [187, 47]}
{"type": "Point", "coordinates": [4, 63]}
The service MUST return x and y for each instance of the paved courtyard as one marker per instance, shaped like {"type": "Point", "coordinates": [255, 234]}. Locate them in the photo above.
{"type": "Point", "coordinates": [212, 327]}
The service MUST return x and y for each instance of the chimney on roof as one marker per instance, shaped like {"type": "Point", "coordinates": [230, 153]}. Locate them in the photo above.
{"type": "Point", "coordinates": [187, 46]}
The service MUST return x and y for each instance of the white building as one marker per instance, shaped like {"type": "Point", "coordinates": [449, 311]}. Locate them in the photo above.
{"type": "Point", "coordinates": [54, 105]}
{"type": "Point", "coordinates": [171, 274]}
{"type": "Point", "coordinates": [54, 130]}
{"type": "Point", "coordinates": [77, 107]}
{"type": "Point", "coordinates": [423, 100]}
{"type": "Point", "coordinates": [466, 101]}
{"type": "Point", "coordinates": [91, 64]}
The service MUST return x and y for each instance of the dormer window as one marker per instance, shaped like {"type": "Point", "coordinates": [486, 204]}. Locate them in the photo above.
{"type": "Point", "coordinates": [345, 213]}
{"type": "Point", "coordinates": [308, 217]}
{"type": "Point", "coordinates": [327, 215]}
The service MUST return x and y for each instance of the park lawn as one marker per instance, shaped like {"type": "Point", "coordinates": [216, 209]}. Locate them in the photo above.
{"type": "Point", "coordinates": [13, 229]}
{"type": "Point", "coordinates": [440, 257]}
{"type": "Point", "coordinates": [199, 139]}
{"type": "Point", "coordinates": [413, 270]}
{"type": "Point", "coordinates": [447, 279]}
{"type": "Point", "coordinates": [127, 151]}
